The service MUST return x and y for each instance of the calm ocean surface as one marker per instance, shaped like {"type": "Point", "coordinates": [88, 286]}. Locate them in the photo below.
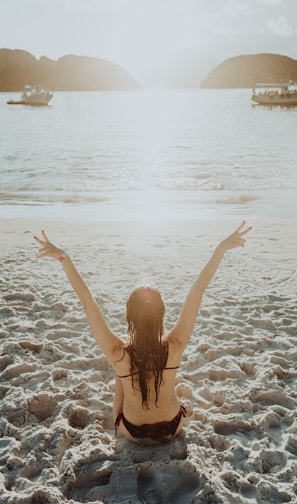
{"type": "Point", "coordinates": [148, 155]}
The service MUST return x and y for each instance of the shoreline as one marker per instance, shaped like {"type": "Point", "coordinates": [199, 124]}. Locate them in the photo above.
{"type": "Point", "coordinates": [161, 205]}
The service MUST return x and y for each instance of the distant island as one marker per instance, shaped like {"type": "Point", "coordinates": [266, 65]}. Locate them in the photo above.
{"type": "Point", "coordinates": [69, 73]}
{"type": "Point", "coordinates": [247, 70]}
{"type": "Point", "coordinates": [82, 73]}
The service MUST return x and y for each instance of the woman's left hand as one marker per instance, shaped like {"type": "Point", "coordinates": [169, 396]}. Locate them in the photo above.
{"type": "Point", "coordinates": [48, 249]}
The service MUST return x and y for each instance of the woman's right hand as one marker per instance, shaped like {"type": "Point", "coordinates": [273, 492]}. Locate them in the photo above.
{"type": "Point", "coordinates": [48, 249]}
{"type": "Point", "coordinates": [235, 239]}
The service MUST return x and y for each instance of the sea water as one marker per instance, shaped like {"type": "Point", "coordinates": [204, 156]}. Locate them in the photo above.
{"type": "Point", "coordinates": [147, 154]}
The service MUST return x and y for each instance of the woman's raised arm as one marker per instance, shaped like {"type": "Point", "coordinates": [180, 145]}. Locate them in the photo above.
{"type": "Point", "coordinates": [109, 343]}
{"type": "Point", "coordinates": [182, 331]}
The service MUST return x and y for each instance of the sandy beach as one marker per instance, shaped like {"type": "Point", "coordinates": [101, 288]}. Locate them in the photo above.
{"type": "Point", "coordinates": [239, 372]}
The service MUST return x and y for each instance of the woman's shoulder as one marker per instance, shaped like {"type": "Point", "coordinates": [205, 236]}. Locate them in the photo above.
{"type": "Point", "coordinates": [120, 352]}
{"type": "Point", "coordinates": [174, 354]}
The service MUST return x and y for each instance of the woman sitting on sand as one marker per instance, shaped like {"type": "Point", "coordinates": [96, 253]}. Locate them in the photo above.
{"type": "Point", "coordinates": [146, 407]}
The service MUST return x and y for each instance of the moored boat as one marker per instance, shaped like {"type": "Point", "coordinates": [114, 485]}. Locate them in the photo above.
{"type": "Point", "coordinates": [281, 94]}
{"type": "Point", "coordinates": [33, 95]}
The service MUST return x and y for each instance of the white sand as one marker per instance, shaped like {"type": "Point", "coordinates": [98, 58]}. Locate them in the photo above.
{"type": "Point", "coordinates": [239, 371]}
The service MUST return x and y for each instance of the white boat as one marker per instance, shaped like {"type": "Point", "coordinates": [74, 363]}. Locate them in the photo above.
{"type": "Point", "coordinates": [275, 94]}
{"type": "Point", "coordinates": [33, 95]}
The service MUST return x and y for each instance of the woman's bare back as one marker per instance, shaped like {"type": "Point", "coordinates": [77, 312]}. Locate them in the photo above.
{"type": "Point", "coordinates": [167, 405]}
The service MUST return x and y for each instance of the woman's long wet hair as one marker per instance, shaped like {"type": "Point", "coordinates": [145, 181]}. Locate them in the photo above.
{"type": "Point", "coordinates": [147, 351]}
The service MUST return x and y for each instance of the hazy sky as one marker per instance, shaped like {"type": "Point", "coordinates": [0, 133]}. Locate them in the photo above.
{"type": "Point", "coordinates": [150, 35]}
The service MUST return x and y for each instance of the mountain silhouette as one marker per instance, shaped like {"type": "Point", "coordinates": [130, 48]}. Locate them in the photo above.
{"type": "Point", "coordinates": [245, 71]}
{"type": "Point", "coordinates": [69, 73]}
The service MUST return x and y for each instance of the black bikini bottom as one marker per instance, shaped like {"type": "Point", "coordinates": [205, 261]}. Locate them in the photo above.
{"type": "Point", "coordinates": [155, 431]}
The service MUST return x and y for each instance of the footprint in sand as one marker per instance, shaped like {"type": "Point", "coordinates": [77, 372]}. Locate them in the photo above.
{"type": "Point", "coordinates": [79, 418]}
{"type": "Point", "coordinates": [167, 485]}
{"type": "Point", "coordinates": [5, 361]}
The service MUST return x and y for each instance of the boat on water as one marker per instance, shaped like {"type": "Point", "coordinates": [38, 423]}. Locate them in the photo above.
{"type": "Point", "coordinates": [33, 95]}
{"type": "Point", "coordinates": [275, 94]}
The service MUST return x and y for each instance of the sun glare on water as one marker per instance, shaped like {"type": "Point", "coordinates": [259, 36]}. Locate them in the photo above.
{"type": "Point", "coordinates": [154, 141]}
